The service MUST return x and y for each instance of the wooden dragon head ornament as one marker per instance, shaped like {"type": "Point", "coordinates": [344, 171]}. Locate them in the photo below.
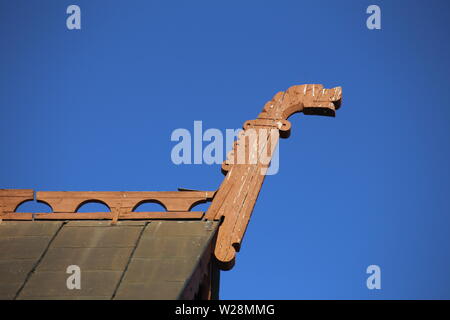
{"type": "Point", "coordinates": [311, 99]}
{"type": "Point", "coordinates": [235, 198]}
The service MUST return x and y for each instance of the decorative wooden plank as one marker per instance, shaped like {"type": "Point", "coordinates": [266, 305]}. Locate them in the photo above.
{"type": "Point", "coordinates": [66, 203]}
{"type": "Point", "coordinates": [236, 197]}
{"type": "Point", "coordinates": [70, 201]}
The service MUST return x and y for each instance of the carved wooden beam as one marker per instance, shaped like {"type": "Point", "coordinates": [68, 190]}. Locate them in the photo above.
{"type": "Point", "coordinates": [70, 201]}
{"type": "Point", "coordinates": [245, 169]}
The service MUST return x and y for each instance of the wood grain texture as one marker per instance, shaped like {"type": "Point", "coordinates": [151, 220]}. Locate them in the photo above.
{"type": "Point", "coordinates": [65, 204]}
{"type": "Point", "coordinates": [237, 195]}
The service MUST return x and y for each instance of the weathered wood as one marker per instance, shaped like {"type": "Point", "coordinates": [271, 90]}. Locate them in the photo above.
{"type": "Point", "coordinates": [65, 204]}
{"type": "Point", "coordinates": [69, 201]}
{"type": "Point", "coordinates": [236, 197]}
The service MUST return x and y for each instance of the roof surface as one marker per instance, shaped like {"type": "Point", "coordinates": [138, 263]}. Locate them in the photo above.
{"type": "Point", "coordinates": [129, 260]}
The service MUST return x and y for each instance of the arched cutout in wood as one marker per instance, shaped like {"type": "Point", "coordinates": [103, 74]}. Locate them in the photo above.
{"type": "Point", "coordinates": [149, 205]}
{"type": "Point", "coordinates": [93, 205]}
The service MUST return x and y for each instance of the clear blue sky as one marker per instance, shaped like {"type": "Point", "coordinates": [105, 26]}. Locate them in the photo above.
{"type": "Point", "coordinates": [94, 109]}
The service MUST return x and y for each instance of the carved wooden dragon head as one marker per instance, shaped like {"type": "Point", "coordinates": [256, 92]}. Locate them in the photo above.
{"type": "Point", "coordinates": [311, 99]}
{"type": "Point", "coordinates": [236, 197]}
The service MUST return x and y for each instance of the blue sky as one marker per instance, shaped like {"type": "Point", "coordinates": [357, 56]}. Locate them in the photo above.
{"type": "Point", "coordinates": [93, 109]}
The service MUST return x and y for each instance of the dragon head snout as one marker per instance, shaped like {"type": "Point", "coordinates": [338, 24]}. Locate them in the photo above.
{"type": "Point", "coordinates": [323, 102]}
